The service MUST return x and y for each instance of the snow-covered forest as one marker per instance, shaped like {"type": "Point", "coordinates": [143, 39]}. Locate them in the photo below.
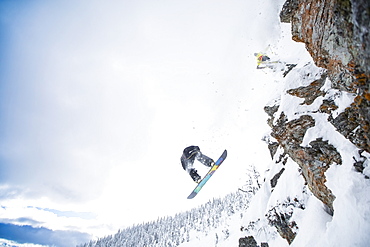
{"type": "Point", "coordinates": [210, 224]}
{"type": "Point", "coordinates": [212, 218]}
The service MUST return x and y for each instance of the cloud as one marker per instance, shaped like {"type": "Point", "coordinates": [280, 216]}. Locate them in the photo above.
{"type": "Point", "coordinates": [41, 235]}
{"type": "Point", "coordinates": [72, 113]}
{"type": "Point", "coordinates": [59, 213]}
{"type": "Point", "coordinates": [27, 221]}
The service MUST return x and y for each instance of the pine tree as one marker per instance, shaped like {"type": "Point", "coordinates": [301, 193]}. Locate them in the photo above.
{"type": "Point", "coordinates": [177, 229]}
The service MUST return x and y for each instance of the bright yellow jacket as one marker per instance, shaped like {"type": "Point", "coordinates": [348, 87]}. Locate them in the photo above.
{"type": "Point", "coordinates": [261, 58]}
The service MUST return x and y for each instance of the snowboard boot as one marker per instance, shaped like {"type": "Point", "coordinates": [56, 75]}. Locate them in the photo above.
{"type": "Point", "coordinates": [195, 176]}
{"type": "Point", "coordinates": [211, 163]}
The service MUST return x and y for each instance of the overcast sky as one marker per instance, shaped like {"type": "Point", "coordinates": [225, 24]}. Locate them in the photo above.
{"type": "Point", "coordinates": [99, 98]}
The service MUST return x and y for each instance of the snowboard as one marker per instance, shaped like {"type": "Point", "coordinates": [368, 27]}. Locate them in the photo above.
{"type": "Point", "coordinates": [208, 175]}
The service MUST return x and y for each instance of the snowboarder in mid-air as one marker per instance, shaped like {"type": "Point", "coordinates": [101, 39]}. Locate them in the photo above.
{"type": "Point", "coordinates": [187, 160]}
{"type": "Point", "coordinates": [262, 59]}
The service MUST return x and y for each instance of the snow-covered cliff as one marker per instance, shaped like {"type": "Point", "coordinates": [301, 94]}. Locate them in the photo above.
{"type": "Point", "coordinates": [317, 189]}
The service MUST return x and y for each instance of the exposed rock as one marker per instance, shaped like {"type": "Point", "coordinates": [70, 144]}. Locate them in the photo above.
{"type": "Point", "coordinates": [283, 226]}
{"type": "Point", "coordinates": [348, 124]}
{"type": "Point", "coordinates": [283, 158]}
{"type": "Point", "coordinates": [289, 7]}
{"type": "Point", "coordinates": [311, 92]}
{"type": "Point", "coordinates": [247, 242]}
{"type": "Point", "coordinates": [279, 216]}
{"type": "Point", "coordinates": [275, 179]}
{"type": "Point", "coordinates": [361, 35]}
{"type": "Point", "coordinates": [328, 106]}
{"type": "Point", "coordinates": [314, 160]}
{"type": "Point", "coordinates": [288, 69]}
{"type": "Point", "coordinates": [360, 164]}
{"type": "Point", "coordinates": [273, 146]}
{"type": "Point", "coordinates": [336, 34]}
{"type": "Point", "coordinates": [271, 110]}
{"type": "Point", "coordinates": [290, 134]}
{"type": "Point", "coordinates": [361, 105]}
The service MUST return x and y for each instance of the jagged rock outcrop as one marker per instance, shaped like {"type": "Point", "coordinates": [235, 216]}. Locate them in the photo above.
{"type": "Point", "coordinates": [275, 179]}
{"type": "Point", "coordinates": [347, 123]}
{"type": "Point", "coordinates": [359, 164]}
{"type": "Point", "coordinates": [288, 10]}
{"type": "Point", "coordinates": [313, 160]}
{"type": "Point", "coordinates": [336, 34]}
{"type": "Point", "coordinates": [250, 242]}
{"type": "Point", "coordinates": [311, 92]}
{"type": "Point", "coordinates": [280, 216]}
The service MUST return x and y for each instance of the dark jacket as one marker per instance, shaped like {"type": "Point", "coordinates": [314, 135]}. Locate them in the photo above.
{"type": "Point", "coordinates": [189, 153]}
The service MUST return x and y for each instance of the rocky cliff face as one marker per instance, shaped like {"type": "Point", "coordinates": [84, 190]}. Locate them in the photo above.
{"type": "Point", "coordinates": [336, 34]}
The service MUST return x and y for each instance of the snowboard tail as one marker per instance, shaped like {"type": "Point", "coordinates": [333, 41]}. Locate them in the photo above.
{"type": "Point", "coordinates": [208, 175]}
